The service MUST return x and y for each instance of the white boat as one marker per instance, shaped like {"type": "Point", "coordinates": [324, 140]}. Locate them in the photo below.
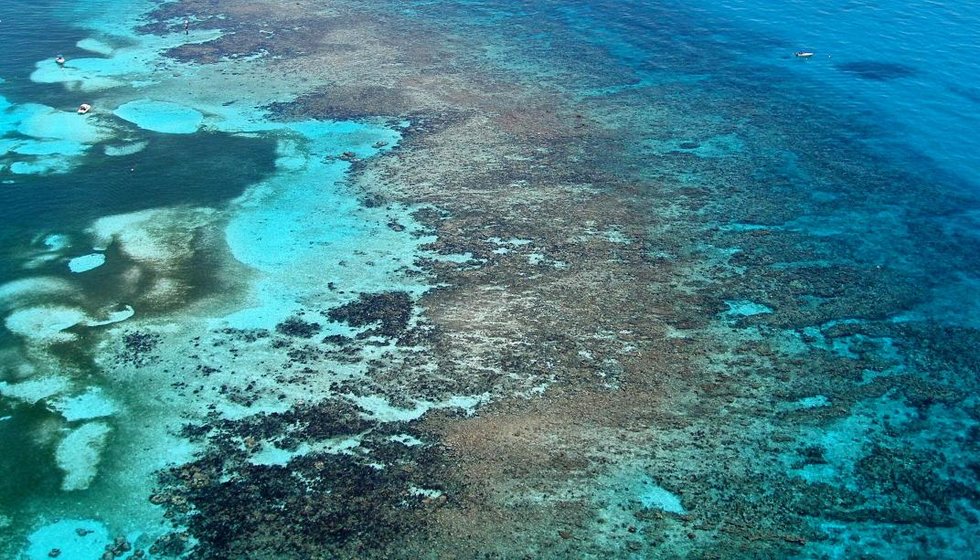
{"type": "Point", "coordinates": [84, 108]}
{"type": "Point", "coordinates": [803, 54]}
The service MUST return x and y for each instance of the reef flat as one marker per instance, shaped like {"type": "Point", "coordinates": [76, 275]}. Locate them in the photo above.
{"type": "Point", "coordinates": [510, 287]}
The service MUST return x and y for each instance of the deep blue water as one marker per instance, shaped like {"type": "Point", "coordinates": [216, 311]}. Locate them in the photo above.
{"type": "Point", "coordinates": [909, 64]}
{"type": "Point", "coordinates": [906, 66]}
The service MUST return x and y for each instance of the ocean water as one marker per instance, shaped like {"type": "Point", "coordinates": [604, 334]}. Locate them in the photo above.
{"type": "Point", "coordinates": [124, 215]}
{"type": "Point", "coordinates": [908, 62]}
{"type": "Point", "coordinates": [826, 209]}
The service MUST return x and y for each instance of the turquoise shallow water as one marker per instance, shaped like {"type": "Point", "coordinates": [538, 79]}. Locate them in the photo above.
{"type": "Point", "coordinates": [123, 214]}
{"type": "Point", "coordinates": [868, 147]}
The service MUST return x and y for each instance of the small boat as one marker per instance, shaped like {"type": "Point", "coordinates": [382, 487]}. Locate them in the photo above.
{"type": "Point", "coordinates": [84, 108]}
{"type": "Point", "coordinates": [803, 54]}
{"type": "Point", "coordinates": [60, 60]}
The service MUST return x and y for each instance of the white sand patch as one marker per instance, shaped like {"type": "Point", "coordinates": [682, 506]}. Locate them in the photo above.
{"type": "Point", "coordinates": [131, 278]}
{"type": "Point", "coordinates": [80, 453]}
{"type": "Point", "coordinates": [45, 323]}
{"type": "Point", "coordinates": [34, 390]}
{"type": "Point", "coordinates": [89, 405]}
{"type": "Point", "coordinates": [41, 121]}
{"type": "Point", "coordinates": [28, 290]}
{"type": "Point", "coordinates": [125, 149]}
{"type": "Point", "coordinates": [57, 241]}
{"type": "Point", "coordinates": [95, 46]}
{"type": "Point", "coordinates": [406, 440]}
{"type": "Point", "coordinates": [378, 408]}
{"type": "Point", "coordinates": [14, 365]}
{"type": "Point", "coordinates": [119, 65]}
{"type": "Point", "coordinates": [161, 116]}
{"type": "Point", "coordinates": [161, 241]}
{"type": "Point", "coordinates": [48, 148]}
{"type": "Point", "coordinates": [51, 139]}
{"type": "Point", "coordinates": [113, 317]}
{"type": "Point", "coordinates": [85, 263]}
{"type": "Point", "coordinates": [41, 166]}
{"type": "Point", "coordinates": [745, 308]}
{"type": "Point", "coordinates": [805, 403]}
{"type": "Point", "coordinates": [160, 237]}
{"type": "Point", "coordinates": [75, 76]}
{"type": "Point", "coordinates": [107, 228]}
{"type": "Point", "coordinates": [41, 260]}
{"type": "Point", "coordinates": [656, 497]}
{"type": "Point", "coordinates": [48, 432]}
{"type": "Point", "coordinates": [166, 290]}
{"type": "Point", "coordinates": [272, 455]}
{"type": "Point", "coordinates": [51, 249]}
